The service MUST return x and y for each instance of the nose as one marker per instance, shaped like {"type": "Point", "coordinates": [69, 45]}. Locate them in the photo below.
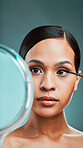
{"type": "Point", "coordinates": [48, 83]}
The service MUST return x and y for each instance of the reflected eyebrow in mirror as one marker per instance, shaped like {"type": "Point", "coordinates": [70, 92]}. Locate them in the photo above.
{"type": "Point", "coordinates": [72, 72]}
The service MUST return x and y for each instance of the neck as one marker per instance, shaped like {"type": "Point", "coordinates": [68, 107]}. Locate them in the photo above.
{"type": "Point", "coordinates": [48, 126]}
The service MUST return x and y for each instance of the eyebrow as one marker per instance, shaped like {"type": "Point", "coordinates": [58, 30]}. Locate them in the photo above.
{"type": "Point", "coordinates": [35, 61]}
{"type": "Point", "coordinates": [57, 64]}
{"type": "Point", "coordinates": [63, 62]}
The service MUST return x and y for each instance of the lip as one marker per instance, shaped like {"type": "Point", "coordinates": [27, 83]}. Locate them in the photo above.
{"type": "Point", "coordinates": [47, 100]}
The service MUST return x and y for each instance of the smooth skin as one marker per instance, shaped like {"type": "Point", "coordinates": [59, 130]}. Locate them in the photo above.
{"type": "Point", "coordinates": [47, 126]}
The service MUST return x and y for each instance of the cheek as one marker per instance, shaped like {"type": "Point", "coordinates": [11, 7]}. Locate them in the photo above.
{"type": "Point", "coordinates": [67, 91]}
{"type": "Point", "coordinates": [36, 85]}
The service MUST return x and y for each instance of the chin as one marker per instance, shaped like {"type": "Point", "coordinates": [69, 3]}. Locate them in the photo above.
{"type": "Point", "coordinates": [48, 113]}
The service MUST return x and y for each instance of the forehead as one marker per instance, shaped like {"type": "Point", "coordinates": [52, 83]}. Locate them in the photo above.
{"type": "Point", "coordinates": [51, 50]}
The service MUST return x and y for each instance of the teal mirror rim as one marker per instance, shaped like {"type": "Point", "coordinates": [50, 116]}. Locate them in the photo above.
{"type": "Point", "coordinates": [25, 111]}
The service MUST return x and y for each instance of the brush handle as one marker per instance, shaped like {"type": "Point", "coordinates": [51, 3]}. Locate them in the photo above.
{"type": "Point", "coordinates": [72, 72]}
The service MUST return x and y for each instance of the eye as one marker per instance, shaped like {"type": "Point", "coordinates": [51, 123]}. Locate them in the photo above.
{"type": "Point", "coordinates": [61, 72]}
{"type": "Point", "coordinates": [35, 70]}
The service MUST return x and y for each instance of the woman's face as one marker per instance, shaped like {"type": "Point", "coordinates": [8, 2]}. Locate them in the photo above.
{"type": "Point", "coordinates": [52, 87]}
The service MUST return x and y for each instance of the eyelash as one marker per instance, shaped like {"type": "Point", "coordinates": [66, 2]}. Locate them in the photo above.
{"type": "Point", "coordinates": [35, 70]}
{"type": "Point", "coordinates": [60, 72]}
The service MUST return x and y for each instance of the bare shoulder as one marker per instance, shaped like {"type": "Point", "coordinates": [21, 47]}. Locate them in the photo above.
{"type": "Point", "coordinates": [7, 142]}
{"type": "Point", "coordinates": [75, 131]}
{"type": "Point", "coordinates": [75, 135]}
{"type": "Point", "coordinates": [13, 139]}
{"type": "Point", "coordinates": [74, 138]}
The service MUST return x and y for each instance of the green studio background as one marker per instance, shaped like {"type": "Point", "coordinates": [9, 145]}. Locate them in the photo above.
{"type": "Point", "coordinates": [17, 17]}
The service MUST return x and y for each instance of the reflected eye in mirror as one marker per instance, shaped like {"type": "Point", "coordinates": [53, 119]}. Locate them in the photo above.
{"type": "Point", "coordinates": [16, 91]}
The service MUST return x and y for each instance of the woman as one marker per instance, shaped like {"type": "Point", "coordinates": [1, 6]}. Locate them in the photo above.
{"type": "Point", "coordinates": [53, 57]}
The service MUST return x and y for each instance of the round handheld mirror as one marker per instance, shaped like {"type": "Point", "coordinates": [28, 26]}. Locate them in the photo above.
{"type": "Point", "coordinates": [16, 91]}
